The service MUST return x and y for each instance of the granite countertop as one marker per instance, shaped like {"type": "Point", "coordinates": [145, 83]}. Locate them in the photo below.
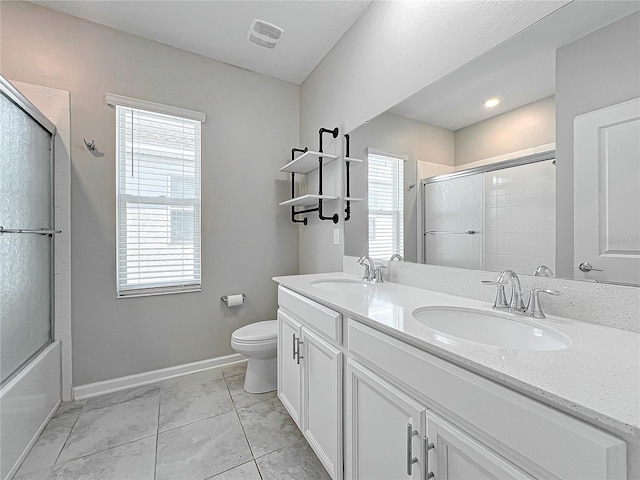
{"type": "Point", "coordinates": [596, 379]}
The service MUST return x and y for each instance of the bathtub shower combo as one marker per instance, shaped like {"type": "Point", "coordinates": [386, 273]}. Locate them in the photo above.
{"type": "Point", "coordinates": [29, 356]}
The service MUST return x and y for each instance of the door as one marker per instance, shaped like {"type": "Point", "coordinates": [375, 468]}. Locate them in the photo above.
{"type": "Point", "coordinates": [385, 429]}
{"type": "Point", "coordinates": [607, 225]}
{"type": "Point", "coordinates": [26, 235]}
{"type": "Point", "coordinates": [453, 455]}
{"type": "Point", "coordinates": [289, 364]}
{"type": "Point", "coordinates": [322, 400]}
{"type": "Point", "coordinates": [453, 216]}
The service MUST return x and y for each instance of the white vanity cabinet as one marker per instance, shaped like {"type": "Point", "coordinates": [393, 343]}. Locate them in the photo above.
{"type": "Point", "coordinates": [310, 374]}
{"type": "Point", "coordinates": [385, 429]}
{"type": "Point", "coordinates": [390, 435]}
{"type": "Point", "coordinates": [474, 429]}
{"type": "Point", "coordinates": [289, 377]}
{"type": "Point", "coordinates": [455, 455]}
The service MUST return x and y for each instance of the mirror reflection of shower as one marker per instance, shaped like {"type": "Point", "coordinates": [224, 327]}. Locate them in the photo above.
{"type": "Point", "coordinates": [494, 217]}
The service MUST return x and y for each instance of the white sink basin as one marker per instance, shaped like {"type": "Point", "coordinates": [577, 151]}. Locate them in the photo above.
{"type": "Point", "coordinates": [492, 329]}
{"type": "Point", "coordinates": [345, 285]}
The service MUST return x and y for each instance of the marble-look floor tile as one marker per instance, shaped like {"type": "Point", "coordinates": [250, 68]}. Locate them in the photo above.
{"type": "Point", "coordinates": [111, 426]}
{"type": "Point", "coordinates": [268, 427]}
{"type": "Point", "coordinates": [119, 397]}
{"type": "Point", "coordinates": [45, 451]}
{"type": "Point", "coordinates": [191, 400]}
{"type": "Point", "coordinates": [37, 475]}
{"type": "Point", "coordinates": [132, 461]}
{"type": "Point", "coordinates": [69, 408]}
{"type": "Point", "coordinates": [234, 369]}
{"type": "Point", "coordinates": [242, 398]}
{"type": "Point", "coordinates": [295, 462]}
{"type": "Point", "coordinates": [203, 376]}
{"type": "Point", "coordinates": [247, 471]}
{"type": "Point", "coordinates": [202, 449]}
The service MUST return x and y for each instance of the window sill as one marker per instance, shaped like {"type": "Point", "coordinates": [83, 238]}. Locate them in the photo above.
{"type": "Point", "coordinates": [155, 292]}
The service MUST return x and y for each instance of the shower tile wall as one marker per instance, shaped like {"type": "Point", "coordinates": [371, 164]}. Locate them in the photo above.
{"type": "Point", "coordinates": [520, 218]}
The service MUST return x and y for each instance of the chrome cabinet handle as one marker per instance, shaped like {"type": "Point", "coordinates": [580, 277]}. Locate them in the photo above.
{"type": "Point", "coordinates": [410, 458]}
{"type": "Point", "coordinates": [587, 267]}
{"type": "Point", "coordinates": [298, 342]}
{"type": "Point", "coordinates": [294, 346]}
{"type": "Point", "coordinates": [428, 446]}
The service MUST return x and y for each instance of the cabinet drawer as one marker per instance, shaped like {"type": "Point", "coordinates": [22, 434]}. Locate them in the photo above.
{"type": "Point", "coordinates": [538, 437]}
{"type": "Point", "coordinates": [318, 317]}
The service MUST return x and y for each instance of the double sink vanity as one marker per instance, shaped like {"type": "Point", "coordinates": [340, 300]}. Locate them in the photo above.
{"type": "Point", "coordinates": [388, 381]}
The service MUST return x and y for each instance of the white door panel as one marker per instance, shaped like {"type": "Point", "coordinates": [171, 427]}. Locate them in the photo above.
{"type": "Point", "coordinates": [457, 456]}
{"type": "Point", "coordinates": [607, 225]}
{"type": "Point", "coordinates": [377, 419]}
{"type": "Point", "coordinates": [289, 385]}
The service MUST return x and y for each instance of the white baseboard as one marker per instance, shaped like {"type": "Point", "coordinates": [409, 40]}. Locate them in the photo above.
{"type": "Point", "coordinates": [82, 392]}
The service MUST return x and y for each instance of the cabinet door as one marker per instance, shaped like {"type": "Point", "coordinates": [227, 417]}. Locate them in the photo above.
{"type": "Point", "coordinates": [289, 386]}
{"type": "Point", "coordinates": [380, 423]}
{"type": "Point", "coordinates": [322, 400]}
{"type": "Point", "coordinates": [456, 456]}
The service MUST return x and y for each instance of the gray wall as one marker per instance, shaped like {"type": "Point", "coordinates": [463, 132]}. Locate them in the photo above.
{"type": "Point", "coordinates": [246, 237]}
{"type": "Point", "coordinates": [596, 71]}
{"type": "Point", "coordinates": [395, 134]}
{"type": "Point", "coordinates": [525, 127]}
{"type": "Point", "coordinates": [393, 50]}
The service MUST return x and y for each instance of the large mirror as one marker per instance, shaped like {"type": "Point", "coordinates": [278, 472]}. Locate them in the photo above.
{"type": "Point", "coordinates": [527, 157]}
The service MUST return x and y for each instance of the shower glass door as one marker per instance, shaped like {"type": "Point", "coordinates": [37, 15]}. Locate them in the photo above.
{"type": "Point", "coordinates": [26, 257]}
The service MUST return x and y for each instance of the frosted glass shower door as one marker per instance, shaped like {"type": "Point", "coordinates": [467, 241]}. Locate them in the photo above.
{"type": "Point", "coordinates": [25, 258]}
{"type": "Point", "coordinates": [453, 222]}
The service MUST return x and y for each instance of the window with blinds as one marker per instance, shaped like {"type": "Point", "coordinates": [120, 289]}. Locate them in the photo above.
{"type": "Point", "coordinates": [386, 205]}
{"type": "Point", "coordinates": [158, 211]}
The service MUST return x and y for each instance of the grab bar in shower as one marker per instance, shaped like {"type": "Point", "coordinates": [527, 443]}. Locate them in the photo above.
{"type": "Point", "coordinates": [437, 232]}
{"type": "Point", "coordinates": [42, 231]}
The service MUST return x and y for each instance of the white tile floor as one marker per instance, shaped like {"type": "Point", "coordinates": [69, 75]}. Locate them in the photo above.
{"type": "Point", "coordinates": [196, 427]}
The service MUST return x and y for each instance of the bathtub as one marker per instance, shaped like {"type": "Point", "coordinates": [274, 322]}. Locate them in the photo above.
{"type": "Point", "coordinates": [27, 403]}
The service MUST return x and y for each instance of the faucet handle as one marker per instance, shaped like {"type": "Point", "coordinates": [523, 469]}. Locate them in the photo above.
{"type": "Point", "coordinates": [377, 276]}
{"type": "Point", "coordinates": [534, 308]}
{"type": "Point", "coordinates": [367, 271]}
{"type": "Point", "coordinates": [501, 299]}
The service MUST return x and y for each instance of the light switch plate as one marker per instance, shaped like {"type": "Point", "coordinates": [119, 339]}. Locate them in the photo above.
{"type": "Point", "coordinates": [336, 236]}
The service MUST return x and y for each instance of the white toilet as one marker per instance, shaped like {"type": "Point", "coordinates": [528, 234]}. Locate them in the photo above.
{"type": "Point", "coordinates": [258, 341]}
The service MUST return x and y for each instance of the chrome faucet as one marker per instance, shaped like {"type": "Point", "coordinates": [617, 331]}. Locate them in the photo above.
{"type": "Point", "coordinates": [369, 267]}
{"type": "Point", "coordinates": [515, 303]}
{"type": "Point", "coordinates": [543, 271]}
{"type": "Point", "coordinates": [396, 256]}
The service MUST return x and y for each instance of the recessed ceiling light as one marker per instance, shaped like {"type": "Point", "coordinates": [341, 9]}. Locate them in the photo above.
{"type": "Point", "coordinates": [264, 33]}
{"type": "Point", "coordinates": [492, 102]}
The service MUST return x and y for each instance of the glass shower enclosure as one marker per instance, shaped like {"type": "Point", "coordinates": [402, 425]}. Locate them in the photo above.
{"type": "Point", "coordinates": [26, 231]}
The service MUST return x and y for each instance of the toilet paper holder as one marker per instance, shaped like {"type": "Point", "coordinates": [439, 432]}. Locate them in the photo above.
{"type": "Point", "coordinates": [224, 298]}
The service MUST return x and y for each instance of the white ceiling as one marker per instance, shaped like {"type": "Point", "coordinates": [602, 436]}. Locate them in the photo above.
{"type": "Point", "coordinates": [518, 72]}
{"type": "Point", "coordinates": [218, 29]}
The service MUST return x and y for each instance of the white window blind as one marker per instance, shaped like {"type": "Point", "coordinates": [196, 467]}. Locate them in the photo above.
{"type": "Point", "coordinates": [386, 205]}
{"type": "Point", "coordinates": [158, 211]}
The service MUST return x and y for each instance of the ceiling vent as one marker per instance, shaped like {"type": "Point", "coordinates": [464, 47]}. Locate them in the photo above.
{"type": "Point", "coordinates": [264, 33]}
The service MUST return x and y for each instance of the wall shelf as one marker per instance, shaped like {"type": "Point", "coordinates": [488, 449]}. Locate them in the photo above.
{"type": "Point", "coordinates": [305, 163]}
{"type": "Point", "coordinates": [353, 160]}
{"type": "Point", "coordinates": [306, 200]}
{"type": "Point", "coordinates": [308, 162]}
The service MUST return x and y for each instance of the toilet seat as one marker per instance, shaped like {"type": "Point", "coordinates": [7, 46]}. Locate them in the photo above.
{"type": "Point", "coordinates": [257, 333]}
